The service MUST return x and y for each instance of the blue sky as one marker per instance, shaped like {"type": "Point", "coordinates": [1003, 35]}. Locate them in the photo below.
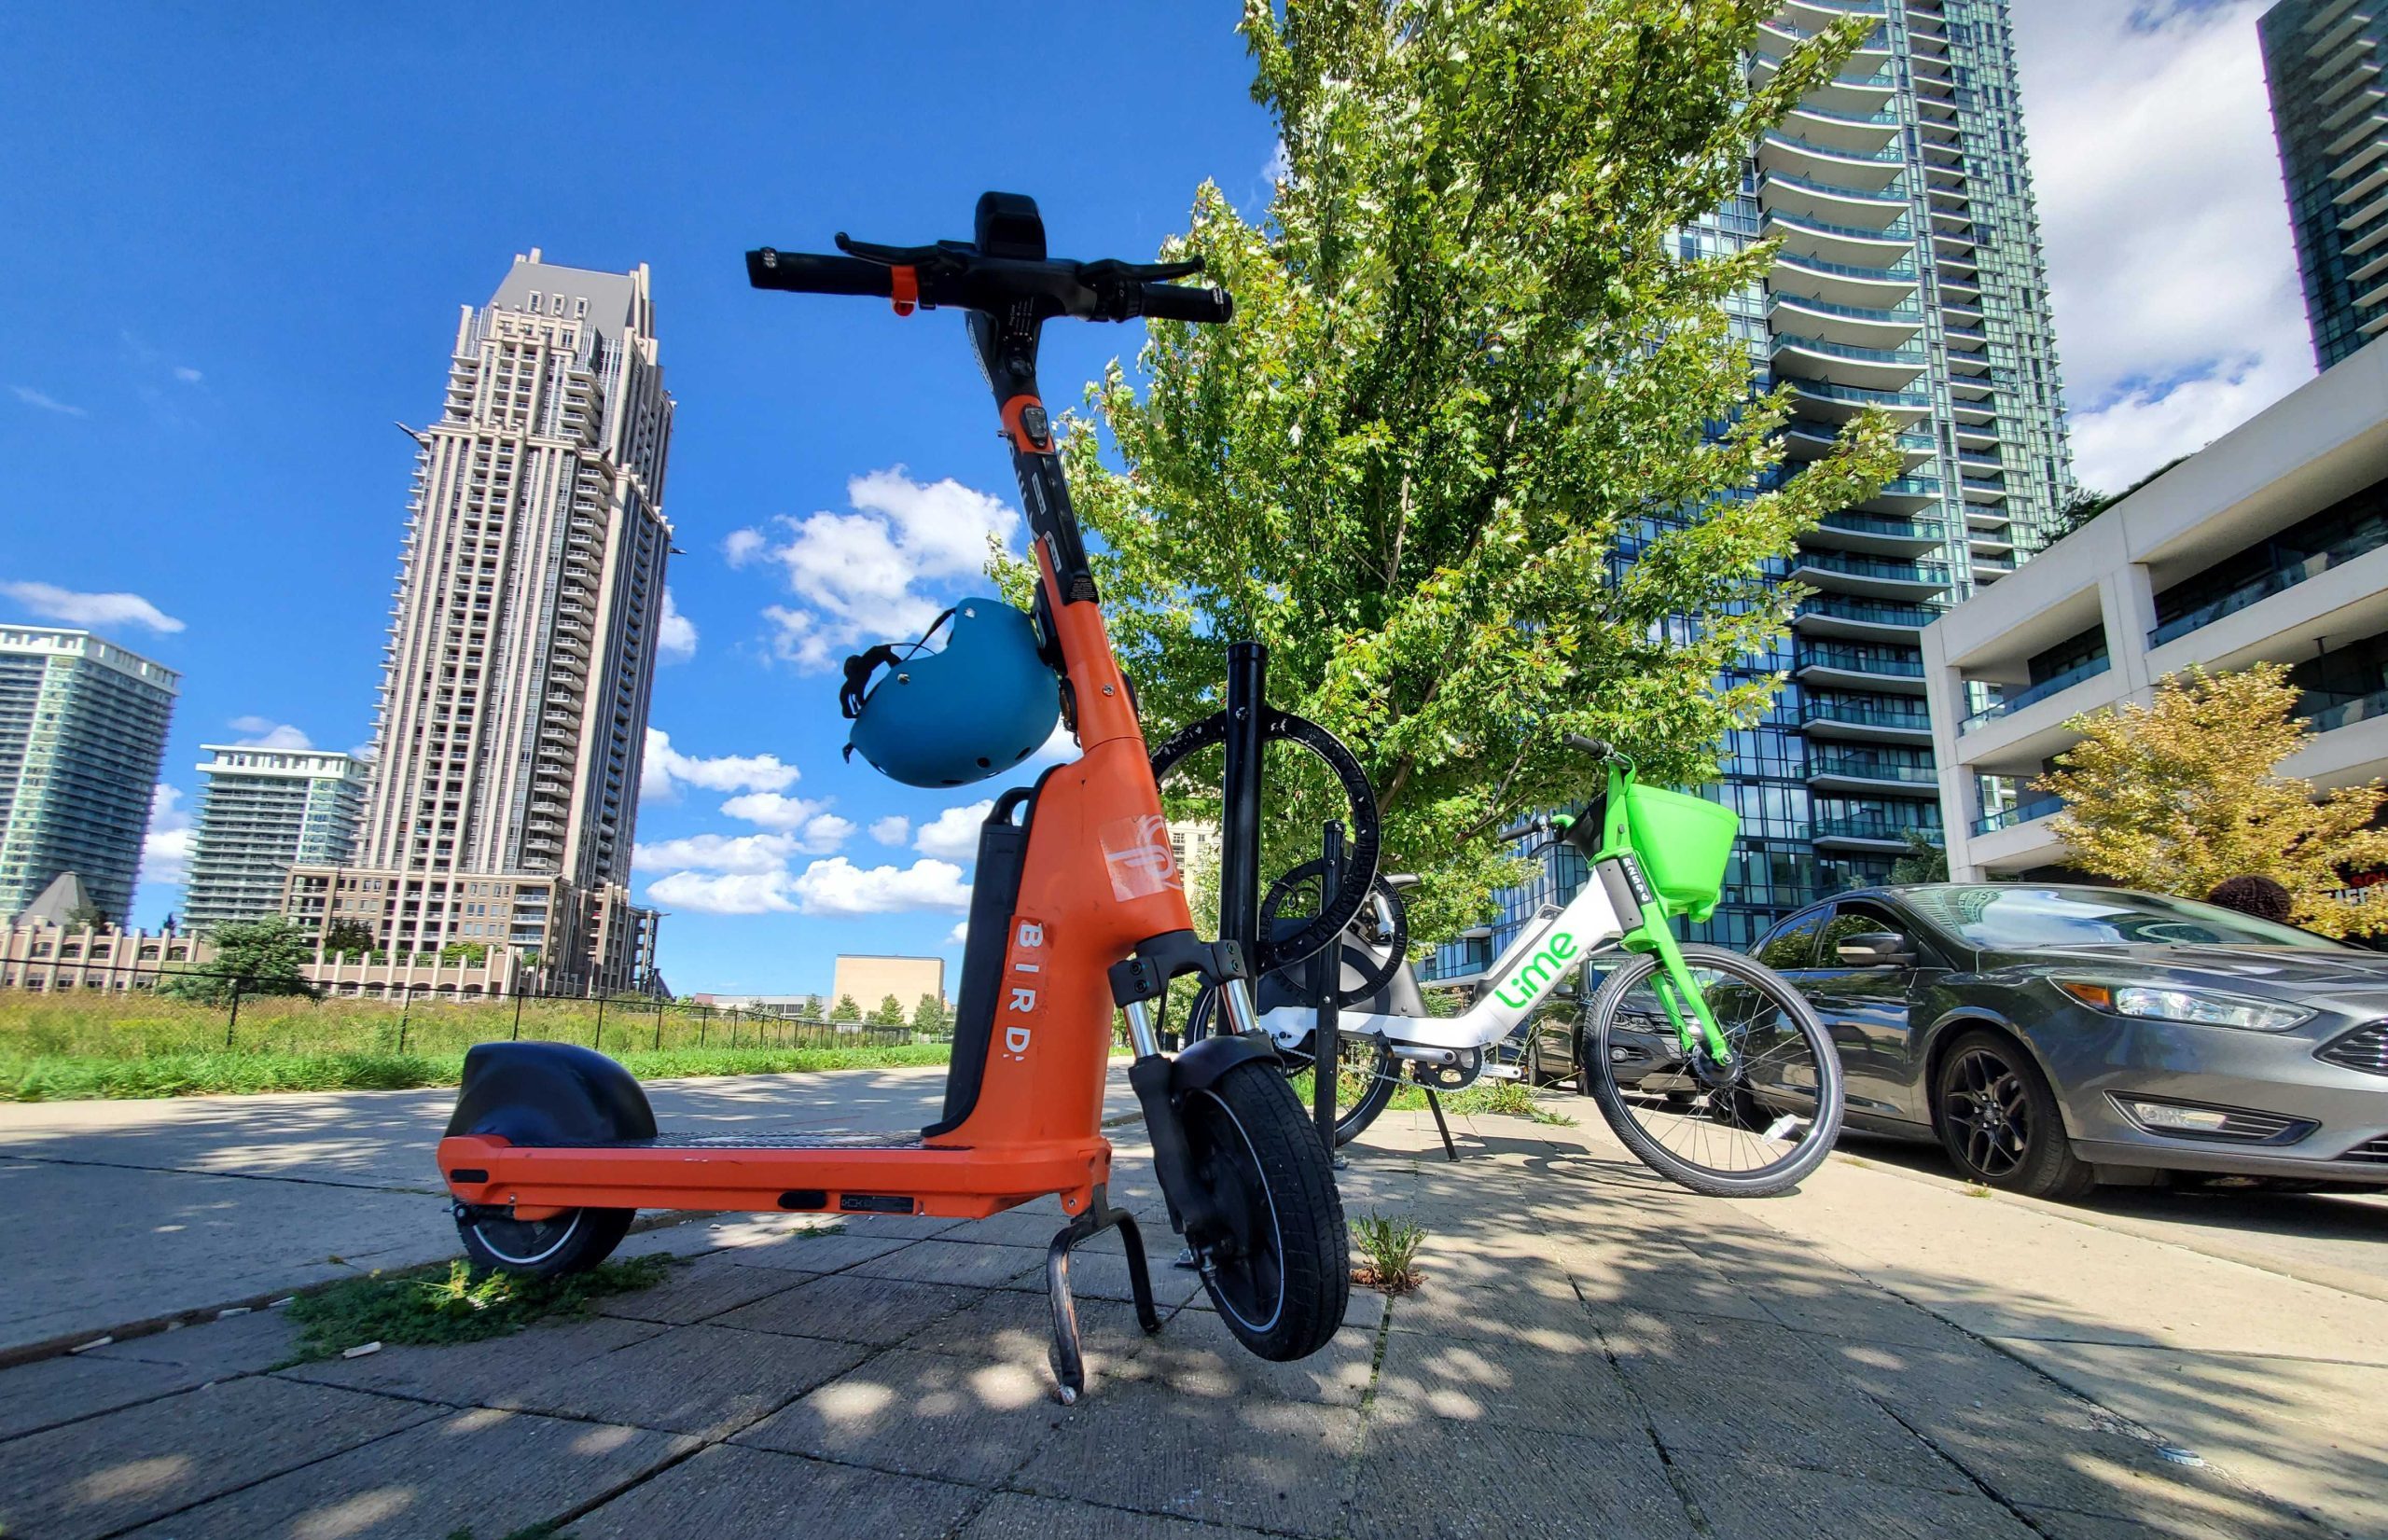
{"type": "Point", "coordinates": [240, 237]}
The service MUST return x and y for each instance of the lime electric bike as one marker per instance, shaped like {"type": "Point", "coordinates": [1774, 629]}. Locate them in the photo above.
{"type": "Point", "coordinates": [1078, 911]}
{"type": "Point", "coordinates": [1707, 1065]}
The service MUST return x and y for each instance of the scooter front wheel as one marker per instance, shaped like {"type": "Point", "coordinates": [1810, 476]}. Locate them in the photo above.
{"type": "Point", "coordinates": [572, 1242]}
{"type": "Point", "coordinates": [1280, 1273]}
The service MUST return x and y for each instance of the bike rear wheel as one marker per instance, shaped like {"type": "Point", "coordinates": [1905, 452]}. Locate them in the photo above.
{"type": "Point", "coordinates": [1368, 1077]}
{"type": "Point", "coordinates": [1280, 1274]}
{"type": "Point", "coordinates": [1750, 1134]}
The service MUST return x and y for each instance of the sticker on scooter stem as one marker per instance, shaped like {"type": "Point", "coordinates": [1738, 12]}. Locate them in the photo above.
{"type": "Point", "coordinates": [1026, 972]}
{"type": "Point", "coordinates": [1136, 850]}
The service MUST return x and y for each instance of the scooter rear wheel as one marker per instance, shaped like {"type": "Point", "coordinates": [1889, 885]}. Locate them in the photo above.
{"type": "Point", "coordinates": [1282, 1277]}
{"type": "Point", "coordinates": [574, 1241]}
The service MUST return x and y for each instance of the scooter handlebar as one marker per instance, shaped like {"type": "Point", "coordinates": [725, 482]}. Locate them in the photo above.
{"type": "Point", "coordinates": [1203, 306]}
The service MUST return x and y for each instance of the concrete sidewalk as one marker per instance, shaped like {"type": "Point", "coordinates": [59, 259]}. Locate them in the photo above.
{"type": "Point", "coordinates": [127, 1212]}
{"type": "Point", "coordinates": [1594, 1352]}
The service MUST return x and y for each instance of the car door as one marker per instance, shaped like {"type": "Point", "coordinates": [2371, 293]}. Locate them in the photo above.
{"type": "Point", "coordinates": [1865, 1006]}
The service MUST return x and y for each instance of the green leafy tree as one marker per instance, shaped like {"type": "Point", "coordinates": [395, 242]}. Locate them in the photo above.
{"type": "Point", "coordinates": [929, 1015]}
{"type": "Point", "coordinates": [845, 1009]}
{"type": "Point", "coordinates": [268, 956]}
{"type": "Point", "coordinates": [347, 938]}
{"type": "Point", "coordinates": [1925, 860]}
{"type": "Point", "coordinates": [2179, 794]}
{"type": "Point", "coordinates": [889, 1014]}
{"type": "Point", "coordinates": [87, 917]}
{"type": "Point", "coordinates": [1476, 458]}
{"type": "Point", "coordinates": [471, 953]}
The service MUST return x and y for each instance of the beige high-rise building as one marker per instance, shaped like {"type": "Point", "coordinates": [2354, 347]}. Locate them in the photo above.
{"type": "Point", "coordinates": [515, 685]}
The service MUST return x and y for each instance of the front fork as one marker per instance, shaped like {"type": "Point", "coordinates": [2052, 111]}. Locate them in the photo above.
{"type": "Point", "coordinates": [1679, 997]}
{"type": "Point", "coordinates": [1162, 1083]}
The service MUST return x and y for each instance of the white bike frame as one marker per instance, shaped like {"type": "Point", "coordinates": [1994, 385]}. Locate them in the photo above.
{"type": "Point", "coordinates": [1531, 968]}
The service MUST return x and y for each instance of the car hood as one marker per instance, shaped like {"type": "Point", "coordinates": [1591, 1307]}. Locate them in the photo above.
{"type": "Point", "coordinates": [2293, 972]}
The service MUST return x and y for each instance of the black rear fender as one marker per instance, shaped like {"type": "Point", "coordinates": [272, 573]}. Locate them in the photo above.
{"type": "Point", "coordinates": [550, 1094]}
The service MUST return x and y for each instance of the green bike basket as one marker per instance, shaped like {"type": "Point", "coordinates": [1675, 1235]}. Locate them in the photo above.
{"type": "Point", "coordinates": [1683, 842]}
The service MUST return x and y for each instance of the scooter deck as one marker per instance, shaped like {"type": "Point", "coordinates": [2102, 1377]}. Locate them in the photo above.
{"type": "Point", "coordinates": [806, 1171]}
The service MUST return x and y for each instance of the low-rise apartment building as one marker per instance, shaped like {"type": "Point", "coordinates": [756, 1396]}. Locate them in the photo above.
{"type": "Point", "coordinates": [2269, 545]}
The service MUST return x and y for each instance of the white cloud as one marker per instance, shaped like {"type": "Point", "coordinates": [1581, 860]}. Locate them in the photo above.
{"type": "Point", "coordinates": [664, 770]}
{"type": "Point", "coordinates": [33, 398]}
{"type": "Point", "coordinates": [188, 375]}
{"type": "Point", "coordinates": [894, 829]}
{"type": "Point", "coordinates": [675, 634]}
{"type": "Point", "coordinates": [731, 893]}
{"type": "Point", "coordinates": [869, 573]}
{"type": "Point", "coordinates": [954, 833]}
{"type": "Point", "coordinates": [839, 887]}
{"type": "Point", "coordinates": [818, 831]}
{"type": "Point", "coordinates": [741, 853]}
{"type": "Point", "coordinates": [2174, 279]}
{"type": "Point", "coordinates": [264, 732]}
{"type": "Point", "coordinates": [1059, 745]}
{"type": "Point", "coordinates": [52, 603]}
{"type": "Point", "coordinates": [960, 933]}
{"type": "Point", "coordinates": [165, 850]}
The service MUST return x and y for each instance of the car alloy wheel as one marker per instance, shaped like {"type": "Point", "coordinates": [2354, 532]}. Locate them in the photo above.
{"type": "Point", "coordinates": [1987, 1104]}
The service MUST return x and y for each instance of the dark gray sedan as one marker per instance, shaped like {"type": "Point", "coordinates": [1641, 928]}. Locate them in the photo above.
{"type": "Point", "coordinates": [2052, 1038]}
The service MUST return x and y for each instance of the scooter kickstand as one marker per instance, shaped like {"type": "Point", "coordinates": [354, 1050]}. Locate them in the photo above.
{"type": "Point", "coordinates": [1069, 1364]}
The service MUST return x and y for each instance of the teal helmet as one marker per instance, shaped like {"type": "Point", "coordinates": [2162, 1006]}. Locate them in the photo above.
{"type": "Point", "coordinates": [976, 707]}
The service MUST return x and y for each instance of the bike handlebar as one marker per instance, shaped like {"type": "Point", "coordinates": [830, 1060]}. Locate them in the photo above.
{"type": "Point", "coordinates": [1592, 746]}
{"type": "Point", "coordinates": [1518, 831]}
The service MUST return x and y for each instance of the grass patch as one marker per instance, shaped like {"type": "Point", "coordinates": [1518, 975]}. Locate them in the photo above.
{"type": "Point", "coordinates": [1508, 1098]}
{"type": "Point", "coordinates": [1389, 1254]}
{"type": "Point", "coordinates": [78, 1076]}
{"type": "Point", "coordinates": [427, 1306]}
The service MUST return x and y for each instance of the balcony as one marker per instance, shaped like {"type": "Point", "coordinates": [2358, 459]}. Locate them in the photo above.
{"type": "Point", "coordinates": [1866, 773]}
{"type": "Point", "coordinates": [1980, 490]}
{"type": "Point", "coordinates": [1869, 576]}
{"type": "Point", "coordinates": [1853, 284]}
{"type": "Point", "coordinates": [1841, 243]}
{"type": "Point", "coordinates": [2020, 814]}
{"type": "Point", "coordinates": [1835, 201]}
{"type": "Point", "coordinates": [1861, 132]}
{"type": "Point", "coordinates": [1846, 363]}
{"type": "Point", "coordinates": [1904, 496]}
{"type": "Point", "coordinates": [2257, 589]}
{"type": "Point", "coordinates": [1869, 173]}
{"type": "Point", "coordinates": [1828, 667]}
{"type": "Point", "coordinates": [1839, 403]}
{"type": "Point", "coordinates": [2053, 684]}
{"type": "Point", "coordinates": [1861, 619]}
{"type": "Point", "coordinates": [1869, 833]}
{"type": "Point", "coordinates": [1863, 721]}
{"type": "Point", "coordinates": [1847, 530]}
{"type": "Point", "coordinates": [1866, 326]}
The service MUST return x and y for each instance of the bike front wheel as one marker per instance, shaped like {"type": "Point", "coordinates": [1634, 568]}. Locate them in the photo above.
{"type": "Point", "coordinates": [1752, 1132]}
{"type": "Point", "coordinates": [1280, 1269]}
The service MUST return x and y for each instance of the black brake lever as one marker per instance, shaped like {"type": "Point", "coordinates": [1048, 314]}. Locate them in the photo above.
{"type": "Point", "coordinates": [1111, 269]}
{"type": "Point", "coordinates": [936, 257]}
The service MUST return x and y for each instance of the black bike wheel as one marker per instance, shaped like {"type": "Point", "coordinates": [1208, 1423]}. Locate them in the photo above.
{"type": "Point", "coordinates": [574, 1241]}
{"type": "Point", "coordinates": [1281, 1275]}
{"type": "Point", "coordinates": [1367, 1078]}
{"type": "Point", "coordinates": [1999, 1122]}
{"type": "Point", "coordinates": [1754, 1135]}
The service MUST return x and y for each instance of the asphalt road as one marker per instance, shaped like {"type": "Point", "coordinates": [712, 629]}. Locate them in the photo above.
{"type": "Point", "coordinates": [124, 1212]}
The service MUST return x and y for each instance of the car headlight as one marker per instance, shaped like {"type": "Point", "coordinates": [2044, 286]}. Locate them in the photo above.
{"type": "Point", "coordinates": [2198, 1007]}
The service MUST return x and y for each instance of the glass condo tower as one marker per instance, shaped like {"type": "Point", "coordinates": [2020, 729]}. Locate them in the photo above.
{"type": "Point", "coordinates": [1910, 278]}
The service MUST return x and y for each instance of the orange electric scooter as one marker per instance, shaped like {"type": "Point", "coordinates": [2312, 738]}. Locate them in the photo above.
{"type": "Point", "coordinates": [1078, 910]}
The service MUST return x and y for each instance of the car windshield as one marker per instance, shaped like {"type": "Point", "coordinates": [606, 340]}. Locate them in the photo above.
{"type": "Point", "coordinates": [2002, 918]}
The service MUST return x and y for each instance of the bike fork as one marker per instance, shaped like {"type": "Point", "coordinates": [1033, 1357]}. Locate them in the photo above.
{"type": "Point", "coordinates": [1676, 990]}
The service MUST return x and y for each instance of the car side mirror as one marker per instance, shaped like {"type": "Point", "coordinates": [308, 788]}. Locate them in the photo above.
{"type": "Point", "coordinates": [1879, 949]}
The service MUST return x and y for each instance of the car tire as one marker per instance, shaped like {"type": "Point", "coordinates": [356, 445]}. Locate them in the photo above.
{"type": "Point", "coordinates": [1999, 1121]}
